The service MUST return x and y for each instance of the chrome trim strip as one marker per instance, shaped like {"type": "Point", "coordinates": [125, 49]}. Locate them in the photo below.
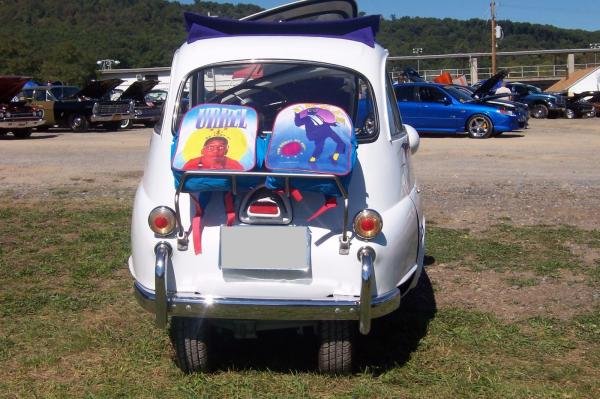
{"type": "Point", "coordinates": [163, 252]}
{"type": "Point", "coordinates": [206, 306]}
{"type": "Point", "coordinates": [366, 255]}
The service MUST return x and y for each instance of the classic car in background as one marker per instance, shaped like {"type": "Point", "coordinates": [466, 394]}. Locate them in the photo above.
{"type": "Point", "coordinates": [146, 109]}
{"type": "Point", "coordinates": [17, 117]}
{"type": "Point", "coordinates": [593, 97]}
{"type": "Point", "coordinates": [436, 108]}
{"type": "Point", "coordinates": [68, 106]}
{"type": "Point", "coordinates": [541, 104]}
{"type": "Point", "coordinates": [578, 106]}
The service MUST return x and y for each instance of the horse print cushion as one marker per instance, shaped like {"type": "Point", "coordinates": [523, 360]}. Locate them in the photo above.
{"type": "Point", "coordinates": [312, 138]}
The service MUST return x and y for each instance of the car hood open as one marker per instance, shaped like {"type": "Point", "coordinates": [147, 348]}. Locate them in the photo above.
{"type": "Point", "coordinates": [487, 85]}
{"type": "Point", "coordinates": [10, 86]}
{"type": "Point", "coordinates": [98, 88]}
{"type": "Point", "coordinates": [583, 94]}
{"type": "Point", "coordinates": [138, 89]}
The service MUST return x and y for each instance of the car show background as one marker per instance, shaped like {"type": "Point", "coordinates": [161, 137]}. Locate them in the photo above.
{"type": "Point", "coordinates": [509, 306]}
{"type": "Point", "coordinates": [63, 41]}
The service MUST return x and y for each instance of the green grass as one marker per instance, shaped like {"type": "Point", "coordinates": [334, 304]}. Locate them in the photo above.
{"type": "Point", "coordinates": [70, 327]}
{"type": "Point", "coordinates": [544, 250]}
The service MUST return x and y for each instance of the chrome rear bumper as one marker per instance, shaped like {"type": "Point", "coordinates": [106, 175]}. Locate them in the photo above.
{"type": "Point", "coordinates": [363, 308]}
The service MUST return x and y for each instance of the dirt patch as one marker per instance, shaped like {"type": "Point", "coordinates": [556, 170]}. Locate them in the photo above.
{"type": "Point", "coordinates": [490, 291]}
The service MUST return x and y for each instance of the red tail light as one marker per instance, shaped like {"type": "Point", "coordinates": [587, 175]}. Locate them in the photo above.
{"type": "Point", "coordinates": [162, 221]}
{"type": "Point", "coordinates": [367, 224]}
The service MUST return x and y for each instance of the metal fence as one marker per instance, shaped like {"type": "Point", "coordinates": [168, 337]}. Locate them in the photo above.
{"type": "Point", "coordinates": [520, 72]}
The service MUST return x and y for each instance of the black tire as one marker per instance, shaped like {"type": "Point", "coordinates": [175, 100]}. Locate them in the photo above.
{"type": "Point", "coordinates": [189, 339]}
{"type": "Point", "coordinates": [539, 111]}
{"type": "Point", "coordinates": [78, 123]}
{"type": "Point", "coordinates": [479, 127]}
{"type": "Point", "coordinates": [569, 113]}
{"type": "Point", "coordinates": [126, 124]}
{"type": "Point", "coordinates": [335, 349]}
{"type": "Point", "coordinates": [22, 133]}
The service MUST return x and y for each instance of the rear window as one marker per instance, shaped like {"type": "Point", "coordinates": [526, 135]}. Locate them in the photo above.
{"type": "Point", "coordinates": [271, 87]}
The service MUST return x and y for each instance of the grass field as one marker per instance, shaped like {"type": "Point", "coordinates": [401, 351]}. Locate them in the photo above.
{"type": "Point", "coordinates": [71, 328]}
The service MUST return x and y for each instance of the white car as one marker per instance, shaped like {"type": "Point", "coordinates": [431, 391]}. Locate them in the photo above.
{"type": "Point", "coordinates": [278, 190]}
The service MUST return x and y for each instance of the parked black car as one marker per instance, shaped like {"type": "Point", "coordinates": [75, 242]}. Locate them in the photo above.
{"type": "Point", "coordinates": [146, 110]}
{"type": "Point", "coordinates": [541, 104]}
{"type": "Point", "coordinates": [17, 117]}
{"type": "Point", "coordinates": [580, 107]}
{"type": "Point", "coordinates": [68, 106]}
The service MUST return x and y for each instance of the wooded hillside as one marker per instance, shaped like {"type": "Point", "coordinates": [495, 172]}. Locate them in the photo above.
{"type": "Point", "coordinates": [63, 39]}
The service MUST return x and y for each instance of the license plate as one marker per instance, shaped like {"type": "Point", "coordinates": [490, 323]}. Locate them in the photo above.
{"type": "Point", "coordinates": [116, 117]}
{"type": "Point", "coordinates": [265, 248]}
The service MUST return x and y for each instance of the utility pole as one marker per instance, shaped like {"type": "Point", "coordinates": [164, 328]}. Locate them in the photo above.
{"type": "Point", "coordinates": [493, 10]}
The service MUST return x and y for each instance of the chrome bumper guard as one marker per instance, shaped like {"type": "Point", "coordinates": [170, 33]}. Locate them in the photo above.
{"type": "Point", "coordinates": [363, 309]}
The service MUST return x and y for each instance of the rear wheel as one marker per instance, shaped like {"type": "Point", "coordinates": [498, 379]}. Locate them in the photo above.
{"type": "Point", "coordinates": [189, 339]}
{"type": "Point", "coordinates": [78, 123]}
{"type": "Point", "coordinates": [22, 133]}
{"type": "Point", "coordinates": [335, 349]}
{"type": "Point", "coordinates": [539, 111]}
{"type": "Point", "coordinates": [479, 127]}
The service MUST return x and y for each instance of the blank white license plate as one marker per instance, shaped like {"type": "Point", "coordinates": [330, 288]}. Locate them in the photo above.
{"type": "Point", "coordinates": [265, 248]}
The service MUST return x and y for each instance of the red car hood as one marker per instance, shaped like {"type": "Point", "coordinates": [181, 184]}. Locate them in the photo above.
{"type": "Point", "coordinates": [10, 86]}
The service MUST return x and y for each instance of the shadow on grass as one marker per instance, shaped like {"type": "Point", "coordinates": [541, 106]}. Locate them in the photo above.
{"type": "Point", "coordinates": [394, 337]}
{"type": "Point", "coordinates": [392, 340]}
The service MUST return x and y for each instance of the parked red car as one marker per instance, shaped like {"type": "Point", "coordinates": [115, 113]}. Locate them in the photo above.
{"type": "Point", "coordinates": [17, 116]}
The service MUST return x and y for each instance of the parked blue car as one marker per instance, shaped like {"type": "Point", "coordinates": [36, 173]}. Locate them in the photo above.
{"type": "Point", "coordinates": [437, 108]}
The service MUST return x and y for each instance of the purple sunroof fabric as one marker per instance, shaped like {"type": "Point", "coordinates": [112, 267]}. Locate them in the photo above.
{"type": "Point", "coordinates": [361, 29]}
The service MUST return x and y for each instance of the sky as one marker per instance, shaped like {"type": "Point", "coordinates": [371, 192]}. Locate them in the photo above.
{"type": "Point", "coordinates": [571, 14]}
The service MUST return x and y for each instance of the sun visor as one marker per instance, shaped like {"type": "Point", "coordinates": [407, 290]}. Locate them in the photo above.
{"type": "Point", "coordinates": [361, 29]}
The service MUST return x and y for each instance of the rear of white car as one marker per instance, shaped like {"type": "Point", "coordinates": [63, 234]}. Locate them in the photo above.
{"type": "Point", "coordinates": [256, 256]}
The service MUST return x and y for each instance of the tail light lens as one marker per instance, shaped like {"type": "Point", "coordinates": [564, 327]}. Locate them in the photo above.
{"type": "Point", "coordinates": [367, 224]}
{"type": "Point", "coordinates": [162, 221]}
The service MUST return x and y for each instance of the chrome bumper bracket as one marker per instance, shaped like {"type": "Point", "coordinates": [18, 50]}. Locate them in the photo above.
{"type": "Point", "coordinates": [163, 252]}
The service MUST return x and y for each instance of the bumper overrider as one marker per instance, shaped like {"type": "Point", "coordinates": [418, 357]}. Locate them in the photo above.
{"type": "Point", "coordinates": [364, 309]}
